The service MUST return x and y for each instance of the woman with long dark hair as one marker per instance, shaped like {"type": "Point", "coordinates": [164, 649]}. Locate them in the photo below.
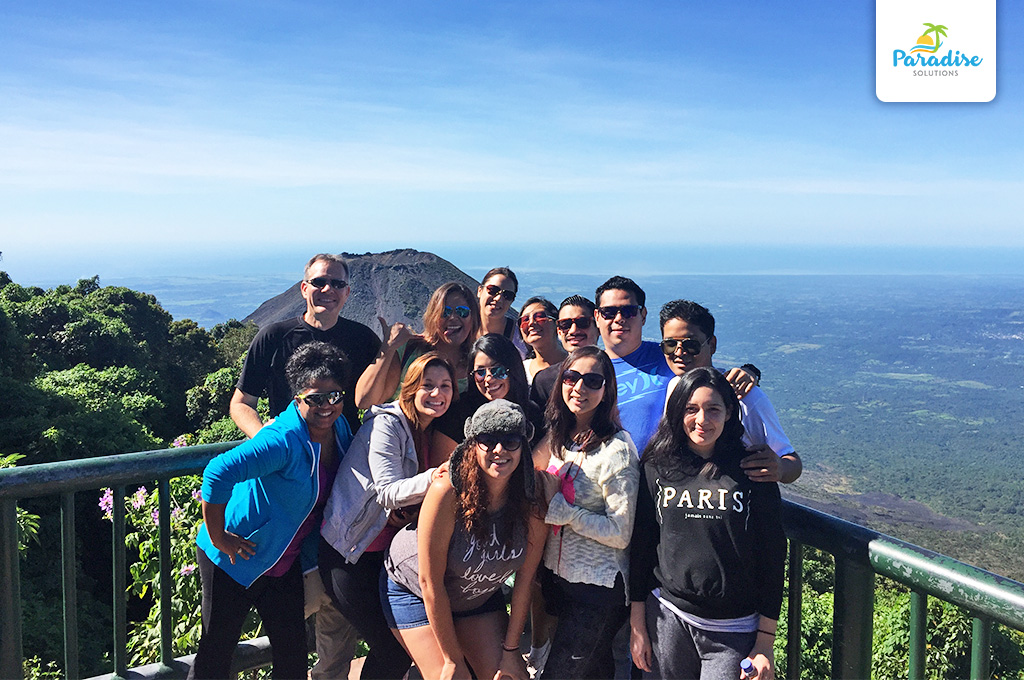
{"type": "Point", "coordinates": [591, 505]}
{"type": "Point", "coordinates": [479, 525]}
{"type": "Point", "coordinates": [496, 372]}
{"type": "Point", "coordinates": [383, 478]}
{"type": "Point", "coordinates": [708, 551]}
{"type": "Point", "coordinates": [537, 325]}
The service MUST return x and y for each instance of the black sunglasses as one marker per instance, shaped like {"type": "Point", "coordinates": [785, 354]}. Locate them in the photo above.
{"type": "Point", "coordinates": [318, 398]}
{"type": "Point", "coordinates": [689, 346]}
{"type": "Point", "coordinates": [496, 372]}
{"type": "Point", "coordinates": [321, 281]}
{"type": "Point", "coordinates": [493, 290]}
{"type": "Point", "coordinates": [461, 311]}
{"type": "Point", "coordinates": [592, 381]}
{"type": "Point", "coordinates": [581, 322]}
{"type": "Point", "coordinates": [627, 311]}
{"type": "Point", "coordinates": [509, 442]}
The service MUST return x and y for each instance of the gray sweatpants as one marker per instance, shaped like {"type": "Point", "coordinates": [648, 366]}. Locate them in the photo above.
{"type": "Point", "coordinates": [682, 652]}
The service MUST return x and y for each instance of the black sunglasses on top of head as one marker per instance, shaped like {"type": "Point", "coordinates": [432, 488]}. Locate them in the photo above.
{"type": "Point", "coordinates": [592, 381]}
{"type": "Point", "coordinates": [493, 290]}
{"type": "Point", "coordinates": [581, 322]}
{"type": "Point", "coordinates": [318, 398]}
{"type": "Point", "coordinates": [509, 442]}
{"type": "Point", "coordinates": [462, 311]}
{"type": "Point", "coordinates": [496, 372]}
{"type": "Point", "coordinates": [628, 311]}
{"type": "Point", "coordinates": [689, 346]}
{"type": "Point", "coordinates": [321, 281]}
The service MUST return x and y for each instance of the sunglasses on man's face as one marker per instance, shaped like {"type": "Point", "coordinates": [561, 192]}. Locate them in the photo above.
{"type": "Point", "coordinates": [492, 290]}
{"type": "Point", "coordinates": [581, 322]}
{"type": "Point", "coordinates": [320, 281]}
{"type": "Point", "coordinates": [536, 317]}
{"type": "Point", "coordinates": [627, 311]}
{"type": "Point", "coordinates": [592, 381]}
{"type": "Point", "coordinates": [509, 442]}
{"type": "Point", "coordinates": [319, 398]}
{"type": "Point", "coordinates": [496, 372]}
{"type": "Point", "coordinates": [690, 346]}
{"type": "Point", "coordinates": [462, 311]}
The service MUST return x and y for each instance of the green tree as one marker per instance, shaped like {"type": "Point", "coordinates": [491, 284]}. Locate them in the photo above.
{"type": "Point", "coordinates": [937, 30]}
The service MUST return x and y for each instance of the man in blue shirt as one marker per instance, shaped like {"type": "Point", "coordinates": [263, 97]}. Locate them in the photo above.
{"type": "Point", "coordinates": [640, 367]}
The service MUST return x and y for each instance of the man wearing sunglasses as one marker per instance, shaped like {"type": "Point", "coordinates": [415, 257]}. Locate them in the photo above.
{"type": "Point", "coordinates": [576, 328]}
{"type": "Point", "coordinates": [325, 289]}
{"type": "Point", "coordinates": [640, 368]}
{"type": "Point", "coordinates": [688, 332]}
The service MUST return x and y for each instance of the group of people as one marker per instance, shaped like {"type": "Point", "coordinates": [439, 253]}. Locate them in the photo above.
{"type": "Point", "coordinates": [629, 494]}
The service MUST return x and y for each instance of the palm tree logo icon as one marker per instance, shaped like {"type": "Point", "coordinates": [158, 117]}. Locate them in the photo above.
{"type": "Point", "coordinates": [925, 42]}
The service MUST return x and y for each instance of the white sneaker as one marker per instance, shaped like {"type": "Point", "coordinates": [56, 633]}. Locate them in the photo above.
{"type": "Point", "coordinates": [537, 659]}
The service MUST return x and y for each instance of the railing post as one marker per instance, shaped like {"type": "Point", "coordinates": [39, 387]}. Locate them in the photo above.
{"type": "Point", "coordinates": [794, 614]}
{"type": "Point", "coordinates": [852, 623]}
{"type": "Point", "coordinates": [918, 633]}
{"type": "Point", "coordinates": [120, 584]}
{"type": "Point", "coordinates": [166, 580]}
{"type": "Point", "coordinates": [69, 584]}
{"type": "Point", "coordinates": [981, 643]}
{"type": "Point", "coordinates": [10, 592]}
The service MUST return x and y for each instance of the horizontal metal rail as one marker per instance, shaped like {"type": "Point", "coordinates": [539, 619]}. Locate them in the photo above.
{"type": "Point", "coordinates": [860, 554]}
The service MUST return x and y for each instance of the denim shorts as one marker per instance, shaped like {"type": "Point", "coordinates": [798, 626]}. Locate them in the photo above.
{"type": "Point", "coordinates": [404, 609]}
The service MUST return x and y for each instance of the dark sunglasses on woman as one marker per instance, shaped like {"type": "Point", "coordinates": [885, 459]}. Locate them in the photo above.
{"type": "Point", "coordinates": [509, 442]}
{"type": "Point", "coordinates": [610, 312]}
{"type": "Point", "coordinates": [496, 372]}
{"type": "Point", "coordinates": [581, 322]}
{"type": "Point", "coordinates": [462, 311]}
{"type": "Point", "coordinates": [592, 381]}
{"type": "Point", "coordinates": [689, 346]}
{"type": "Point", "coordinates": [509, 295]}
{"type": "Point", "coordinates": [318, 398]}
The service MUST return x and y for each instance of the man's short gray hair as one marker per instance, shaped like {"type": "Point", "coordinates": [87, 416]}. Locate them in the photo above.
{"type": "Point", "coordinates": [325, 257]}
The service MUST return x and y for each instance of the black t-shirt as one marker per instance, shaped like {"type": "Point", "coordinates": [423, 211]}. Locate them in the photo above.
{"type": "Point", "coordinates": [263, 370]}
{"type": "Point", "coordinates": [544, 383]}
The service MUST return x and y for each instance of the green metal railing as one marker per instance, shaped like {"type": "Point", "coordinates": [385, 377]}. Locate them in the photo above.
{"type": "Point", "coordinates": [859, 555]}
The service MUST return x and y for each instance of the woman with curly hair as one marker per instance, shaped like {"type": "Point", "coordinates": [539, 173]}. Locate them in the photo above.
{"type": "Point", "coordinates": [451, 322]}
{"type": "Point", "coordinates": [708, 551]}
{"type": "Point", "coordinates": [478, 525]}
{"type": "Point", "coordinates": [591, 505]}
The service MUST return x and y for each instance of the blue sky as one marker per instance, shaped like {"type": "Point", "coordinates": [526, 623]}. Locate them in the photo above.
{"type": "Point", "coordinates": [153, 126]}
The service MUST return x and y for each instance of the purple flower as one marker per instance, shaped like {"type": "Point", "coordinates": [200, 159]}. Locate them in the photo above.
{"type": "Point", "coordinates": [156, 516]}
{"type": "Point", "coordinates": [107, 504]}
{"type": "Point", "coordinates": [179, 441]}
{"type": "Point", "coordinates": [176, 514]}
{"type": "Point", "coordinates": [197, 494]}
{"type": "Point", "coordinates": [187, 570]}
{"type": "Point", "coordinates": [139, 497]}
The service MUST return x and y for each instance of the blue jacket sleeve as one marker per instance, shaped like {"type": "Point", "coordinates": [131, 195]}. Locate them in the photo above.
{"type": "Point", "coordinates": [267, 452]}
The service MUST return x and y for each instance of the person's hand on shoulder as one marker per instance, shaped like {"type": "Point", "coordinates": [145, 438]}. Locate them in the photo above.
{"type": "Point", "coordinates": [762, 465]}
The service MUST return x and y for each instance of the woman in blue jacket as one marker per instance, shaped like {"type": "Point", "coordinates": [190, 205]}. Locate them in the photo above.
{"type": "Point", "coordinates": [261, 501]}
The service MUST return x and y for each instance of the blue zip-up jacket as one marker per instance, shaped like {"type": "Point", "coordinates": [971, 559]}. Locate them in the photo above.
{"type": "Point", "coordinates": [270, 484]}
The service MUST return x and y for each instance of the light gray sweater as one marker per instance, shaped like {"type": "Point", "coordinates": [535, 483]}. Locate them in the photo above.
{"type": "Point", "coordinates": [592, 546]}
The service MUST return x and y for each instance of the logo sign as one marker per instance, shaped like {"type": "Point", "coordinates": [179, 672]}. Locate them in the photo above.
{"type": "Point", "coordinates": [935, 50]}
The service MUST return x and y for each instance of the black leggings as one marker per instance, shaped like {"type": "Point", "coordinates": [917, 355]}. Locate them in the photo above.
{"type": "Point", "coordinates": [354, 589]}
{"type": "Point", "coordinates": [226, 603]}
{"type": "Point", "coordinates": [589, 616]}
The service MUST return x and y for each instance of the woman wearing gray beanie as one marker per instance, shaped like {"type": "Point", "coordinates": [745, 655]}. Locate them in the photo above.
{"type": "Point", "coordinates": [478, 525]}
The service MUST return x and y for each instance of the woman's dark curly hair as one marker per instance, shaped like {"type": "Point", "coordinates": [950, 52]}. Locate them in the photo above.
{"type": "Point", "coordinates": [669, 448]}
{"type": "Point", "coordinates": [559, 421]}
{"type": "Point", "coordinates": [316, 361]}
{"type": "Point", "coordinates": [472, 497]}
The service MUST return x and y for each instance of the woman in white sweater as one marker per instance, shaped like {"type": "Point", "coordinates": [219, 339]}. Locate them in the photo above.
{"type": "Point", "coordinates": [591, 503]}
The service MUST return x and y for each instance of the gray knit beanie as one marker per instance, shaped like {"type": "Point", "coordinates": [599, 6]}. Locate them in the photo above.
{"type": "Point", "coordinates": [499, 417]}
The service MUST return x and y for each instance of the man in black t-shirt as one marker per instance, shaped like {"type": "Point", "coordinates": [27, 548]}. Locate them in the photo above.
{"type": "Point", "coordinates": [263, 370]}
{"type": "Point", "coordinates": [325, 288]}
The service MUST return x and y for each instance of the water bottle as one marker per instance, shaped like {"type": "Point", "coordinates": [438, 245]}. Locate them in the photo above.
{"type": "Point", "coordinates": [747, 666]}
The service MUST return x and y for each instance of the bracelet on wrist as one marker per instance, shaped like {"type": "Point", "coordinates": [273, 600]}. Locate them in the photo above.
{"type": "Point", "coordinates": [762, 630]}
{"type": "Point", "coordinates": [509, 649]}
